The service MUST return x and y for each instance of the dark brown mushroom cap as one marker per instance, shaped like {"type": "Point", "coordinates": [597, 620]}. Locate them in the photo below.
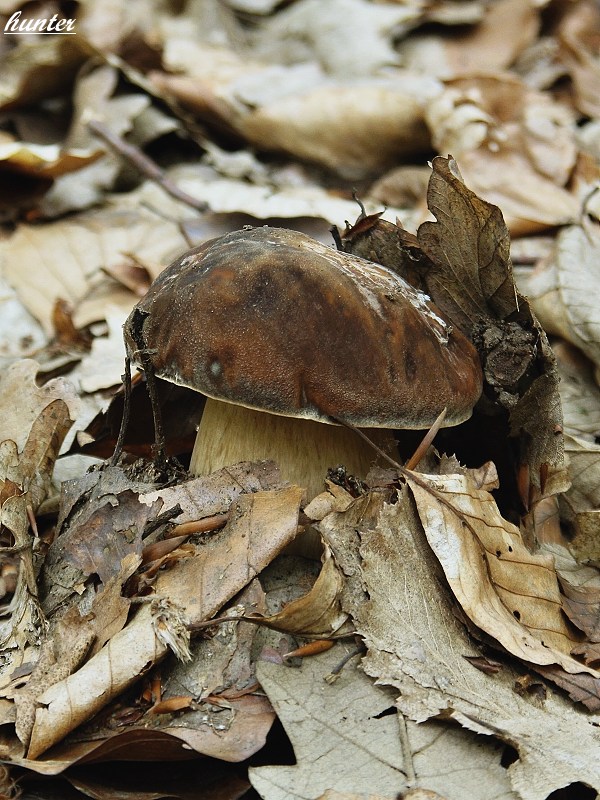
{"type": "Point", "coordinates": [271, 319]}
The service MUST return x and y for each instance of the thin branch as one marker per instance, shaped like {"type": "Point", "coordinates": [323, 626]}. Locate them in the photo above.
{"type": "Point", "coordinates": [423, 447]}
{"type": "Point", "coordinates": [125, 418]}
{"type": "Point", "coordinates": [146, 166]}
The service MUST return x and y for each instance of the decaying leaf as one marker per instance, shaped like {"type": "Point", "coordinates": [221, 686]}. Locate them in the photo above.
{"type": "Point", "coordinates": [33, 426]}
{"type": "Point", "coordinates": [416, 644]}
{"type": "Point", "coordinates": [343, 727]}
{"type": "Point", "coordinates": [562, 291]}
{"type": "Point", "coordinates": [504, 589]}
{"type": "Point", "coordinates": [260, 526]}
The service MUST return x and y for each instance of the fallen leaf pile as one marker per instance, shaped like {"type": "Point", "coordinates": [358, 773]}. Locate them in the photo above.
{"type": "Point", "coordinates": [166, 635]}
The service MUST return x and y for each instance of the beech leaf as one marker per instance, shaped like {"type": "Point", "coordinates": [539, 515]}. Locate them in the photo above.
{"type": "Point", "coordinates": [505, 590]}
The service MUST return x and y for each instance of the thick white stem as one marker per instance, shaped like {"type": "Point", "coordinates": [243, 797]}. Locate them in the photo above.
{"type": "Point", "coordinates": [303, 449]}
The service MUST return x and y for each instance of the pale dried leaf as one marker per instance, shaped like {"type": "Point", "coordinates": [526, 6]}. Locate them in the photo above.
{"type": "Point", "coordinates": [261, 525]}
{"type": "Point", "coordinates": [20, 334]}
{"type": "Point", "coordinates": [103, 367]}
{"type": "Point", "coordinates": [21, 400]}
{"type": "Point", "coordinates": [65, 259]}
{"type": "Point", "coordinates": [505, 590]}
{"type": "Point", "coordinates": [340, 726]}
{"type": "Point", "coordinates": [350, 37]}
{"type": "Point", "coordinates": [507, 28]}
{"type": "Point", "coordinates": [577, 275]}
{"type": "Point", "coordinates": [263, 202]}
{"type": "Point", "coordinates": [530, 201]}
{"type": "Point", "coordinates": [416, 644]}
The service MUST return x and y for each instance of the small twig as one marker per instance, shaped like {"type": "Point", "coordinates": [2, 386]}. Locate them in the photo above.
{"type": "Point", "coordinates": [361, 205]}
{"type": "Point", "coordinates": [337, 670]}
{"type": "Point", "coordinates": [160, 449]}
{"type": "Point", "coordinates": [125, 418]}
{"type": "Point", "coordinates": [136, 330]}
{"type": "Point", "coordinates": [32, 521]}
{"type": "Point", "coordinates": [413, 461]}
{"type": "Point", "coordinates": [146, 166]}
{"type": "Point", "coordinates": [407, 752]}
{"type": "Point", "coordinates": [162, 519]}
{"type": "Point", "coordinates": [204, 525]}
{"type": "Point", "coordinates": [375, 447]}
{"type": "Point", "coordinates": [337, 239]}
{"type": "Point", "coordinates": [411, 475]}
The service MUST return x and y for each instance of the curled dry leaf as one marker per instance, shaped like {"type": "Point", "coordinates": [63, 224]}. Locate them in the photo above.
{"type": "Point", "coordinates": [34, 423]}
{"type": "Point", "coordinates": [40, 161]}
{"type": "Point", "coordinates": [563, 291]}
{"type": "Point", "coordinates": [261, 525]}
{"type": "Point", "coordinates": [505, 590]}
{"type": "Point", "coordinates": [361, 750]}
{"type": "Point", "coordinates": [318, 614]}
{"type": "Point", "coordinates": [416, 644]}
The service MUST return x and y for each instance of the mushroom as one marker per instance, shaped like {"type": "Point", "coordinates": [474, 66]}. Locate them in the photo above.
{"type": "Point", "coordinates": [270, 320]}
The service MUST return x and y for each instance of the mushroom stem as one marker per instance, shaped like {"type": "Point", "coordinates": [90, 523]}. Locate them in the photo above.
{"type": "Point", "coordinates": [304, 449]}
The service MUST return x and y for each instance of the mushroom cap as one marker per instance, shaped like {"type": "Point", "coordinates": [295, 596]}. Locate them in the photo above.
{"type": "Point", "coordinates": [273, 320]}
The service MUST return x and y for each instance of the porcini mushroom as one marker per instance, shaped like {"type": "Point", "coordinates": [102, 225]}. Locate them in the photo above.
{"type": "Point", "coordinates": [270, 320]}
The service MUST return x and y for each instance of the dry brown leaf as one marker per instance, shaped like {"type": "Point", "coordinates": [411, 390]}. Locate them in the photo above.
{"type": "Point", "coordinates": [506, 29]}
{"type": "Point", "coordinates": [65, 259]}
{"type": "Point", "coordinates": [62, 651]}
{"type": "Point", "coordinates": [416, 644]}
{"type": "Point", "coordinates": [563, 291]}
{"type": "Point", "coordinates": [110, 609]}
{"type": "Point", "coordinates": [578, 51]}
{"type": "Point", "coordinates": [36, 70]}
{"type": "Point", "coordinates": [196, 588]}
{"type": "Point", "coordinates": [582, 605]}
{"type": "Point", "coordinates": [96, 542]}
{"type": "Point", "coordinates": [469, 276]}
{"type": "Point", "coordinates": [505, 590]}
{"type": "Point", "coordinates": [353, 129]}
{"type": "Point", "coordinates": [334, 499]}
{"type": "Point", "coordinates": [352, 126]}
{"type": "Point", "coordinates": [33, 425]}
{"type": "Point", "coordinates": [342, 727]}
